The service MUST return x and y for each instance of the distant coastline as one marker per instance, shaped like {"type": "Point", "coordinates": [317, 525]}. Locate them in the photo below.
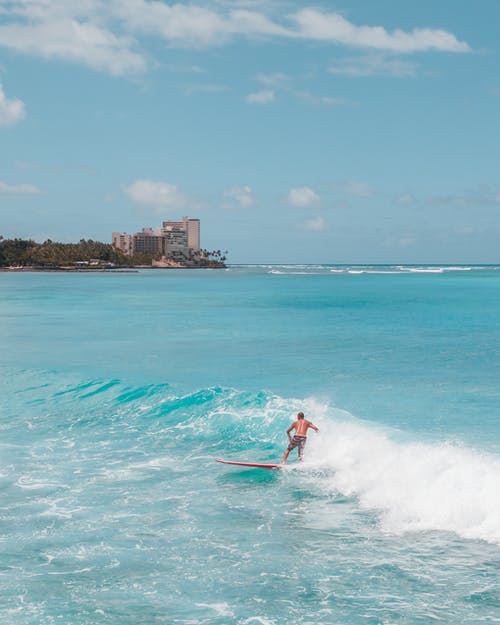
{"type": "Point", "coordinates": [121, 269]}
{"type": "Point", "coordinates": [101, 269]}
{"type": "Point", "coordinates": [92, 256]}
{"type": "Point", "coordinates": [35, 269]}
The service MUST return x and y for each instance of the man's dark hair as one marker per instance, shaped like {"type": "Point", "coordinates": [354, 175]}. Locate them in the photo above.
{"type": "Point", "coordinates": [300, 415]}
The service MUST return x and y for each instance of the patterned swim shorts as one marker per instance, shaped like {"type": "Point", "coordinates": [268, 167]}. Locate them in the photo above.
{"type": "Point", "coordinates": [298, 441]}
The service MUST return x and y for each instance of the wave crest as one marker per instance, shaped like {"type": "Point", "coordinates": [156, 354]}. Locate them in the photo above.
{"type": "Point", "coordinates": [413, 486]}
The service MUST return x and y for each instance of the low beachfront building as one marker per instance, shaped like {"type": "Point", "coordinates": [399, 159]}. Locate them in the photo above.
{"type": "Point", "coordinates": [147, 242]}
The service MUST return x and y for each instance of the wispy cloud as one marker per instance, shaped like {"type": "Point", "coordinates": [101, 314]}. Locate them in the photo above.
{"type": "Point", "coordinates": [373, 65]}
{"type": "Point", "coordinates": [316, 24]}
{"type": "Point", "coordinates": [406, 199]}
{"type": "Point", "coordinates": [160, 197]}
{"type": "Point", "coordinates": [358, 188]}
{"type": "Point", "coordinates": [19, 189]}
{"type": "Point", "coordinates": [110, 36]}
{"type": "Point", "coordinates": [283, 83]}
{"type": "Point", "coordinates": [277, 80]}
{"type": "Point", "coordinates": [319, 99]}
{"type": "Point", "coordinates": [261, 97]}
{"type": "Point", "coordinates": [11, 110]}
{"type": "Point", "coordinates": [241, 195]}
{"type": "Point", "coordinates": [303, 197]}
{"type": "Point", "coordinates": [317, 224]}
{"type": "Point", "coordinates": [483, 196]}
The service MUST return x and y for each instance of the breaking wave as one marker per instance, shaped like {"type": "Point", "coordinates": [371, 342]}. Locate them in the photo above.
{"type": "Point", "coordinates": [118, 432]}
{"type": "Point", "coordinates": [413, 486]}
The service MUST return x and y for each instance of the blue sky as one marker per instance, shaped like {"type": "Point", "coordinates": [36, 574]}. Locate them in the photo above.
{"type": "Point", "coordinates": [353, 131]}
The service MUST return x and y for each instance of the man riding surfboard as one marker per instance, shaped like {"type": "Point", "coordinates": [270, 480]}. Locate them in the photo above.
{"type": "Point", "coordinates": [301, 425]}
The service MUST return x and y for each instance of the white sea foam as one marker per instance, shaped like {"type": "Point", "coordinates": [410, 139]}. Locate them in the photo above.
{"type": "Point", "coordinates": [221, 609]}
{"type": "Point", "coordinates": [294, 273]}
{"type": "Point", "coordinates": [433, 269]}
{"type": "Point", "coordinates": [427, 270]}
{"type": "Point", "coordinates": [155, 464]}
{"type": "Point", "coordinates": [413, 486]}
{"type": "Point", "coordinates": [29, 482]}
{"type": "Point", "coordinates": [257, 619]}
{"type": "Point", "coordinates": [56, 509]}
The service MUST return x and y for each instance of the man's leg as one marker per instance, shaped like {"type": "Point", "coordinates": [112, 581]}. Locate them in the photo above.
{"type": "Point", "coordinates": [301, 450]}
{"type": "Point", "coordinates": [285, 456]}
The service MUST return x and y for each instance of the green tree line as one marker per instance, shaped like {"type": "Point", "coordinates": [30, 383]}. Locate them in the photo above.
{"type": "Point", "coordinates": [26, 252]}
{"type": "Point", "coordinates": [23, 252]}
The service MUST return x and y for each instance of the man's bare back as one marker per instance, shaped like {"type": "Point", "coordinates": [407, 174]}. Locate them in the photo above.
{"type": "Point", "coordinates": [301, 425]}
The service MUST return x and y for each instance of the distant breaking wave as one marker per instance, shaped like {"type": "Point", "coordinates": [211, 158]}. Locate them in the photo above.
{"type": "Point", "coordinates": [369, 269]}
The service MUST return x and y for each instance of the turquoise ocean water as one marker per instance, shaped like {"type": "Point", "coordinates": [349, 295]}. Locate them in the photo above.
{"type": "Point", "coordinates": [119, 390]}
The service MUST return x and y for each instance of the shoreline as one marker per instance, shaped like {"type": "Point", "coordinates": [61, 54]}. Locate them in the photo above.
{"type": "Point", "coordinates": [34, 269]}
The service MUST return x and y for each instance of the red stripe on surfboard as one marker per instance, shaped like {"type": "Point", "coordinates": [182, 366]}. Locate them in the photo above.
{"type": "Point", "coordinates": [259, 465]}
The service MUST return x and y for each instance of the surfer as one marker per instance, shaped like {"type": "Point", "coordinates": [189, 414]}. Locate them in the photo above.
{"type": "Point", "coordinates": [299, 438]}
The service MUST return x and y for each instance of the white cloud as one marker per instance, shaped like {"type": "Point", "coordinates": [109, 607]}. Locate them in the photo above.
{"type": "Point", "coordinates": [303, 197]}
{"type": "Point", "coordinates": [72, 40]}
{"type": "Point", "coordinates": [18, 189]}
{"type": "Point", "coordinates": [242, 195]}
{"type": "Point", "coordinates": [261, 97]}
{"type": "Point", "coordinates": [315, 24]}
{"type": "Point", "coordinates": [315, 225]}
{"type": "Point", "coordinates": [161, 197]}
{"type": "Point", "coordinates": [211, 26]}
{"type": "Point", "coordinates": [11, 111]}
{"type": "Point", "coordinates": [197, 25]}
{"type": "Point", "coordinates": [106, 35]}
{"type": "Point", "coordinates": [191, 25]}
